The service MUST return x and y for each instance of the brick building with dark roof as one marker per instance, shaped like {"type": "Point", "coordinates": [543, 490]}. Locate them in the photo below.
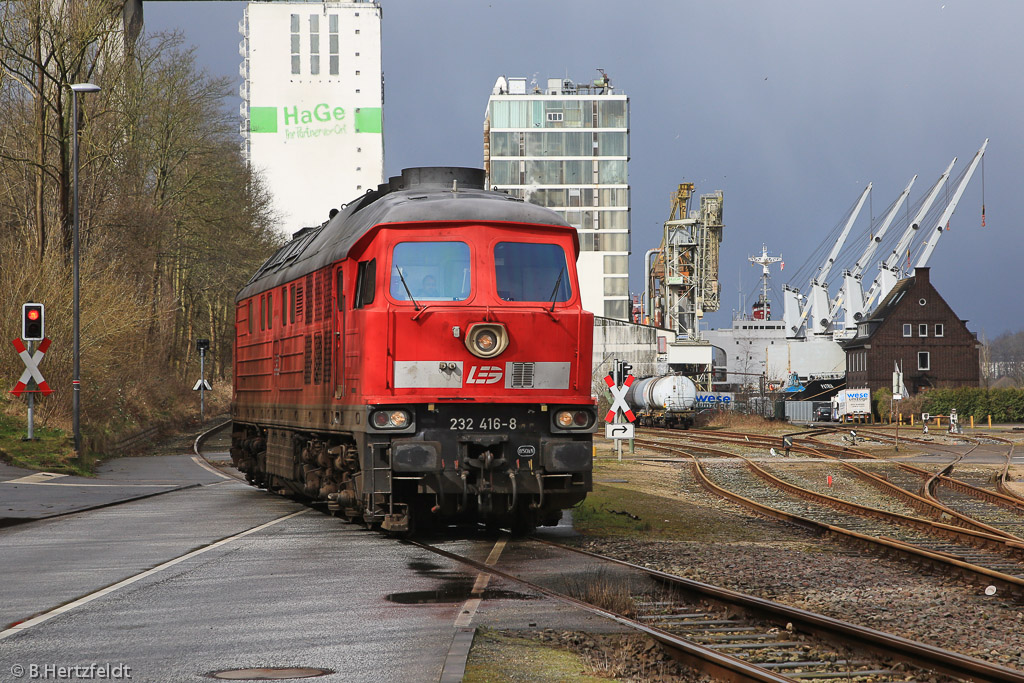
{"type": "Point", "coordinates": [915, 327]}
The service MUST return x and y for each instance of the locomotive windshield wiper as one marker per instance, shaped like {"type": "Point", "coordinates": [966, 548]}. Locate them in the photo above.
{"type": "Point", "coordinates": [406, 285]}
{"type": "Point", "coordinates": [554, 292]}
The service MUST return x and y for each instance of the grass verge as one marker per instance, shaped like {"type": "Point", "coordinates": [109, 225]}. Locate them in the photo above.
{"type": "Point", "coordinates": [49, 451]}
{"type": "Point", "coordinates": [506, 658]}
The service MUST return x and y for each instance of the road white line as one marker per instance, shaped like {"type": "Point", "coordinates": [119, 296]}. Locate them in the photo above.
{"type": "Point", "coordinates": [46, 616]}
{"type": "Point", "coordinates": [468, 610]}
{"type": "Point", "coordinates": [117, 486]}
{"type": "Point", "coordinates": [37, 478]}
{"type": "Point", "coordinates": [210, 468]}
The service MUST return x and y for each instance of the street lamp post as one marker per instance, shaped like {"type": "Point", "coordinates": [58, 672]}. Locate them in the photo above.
{"type": "Point", "coordinates": [75, 372]}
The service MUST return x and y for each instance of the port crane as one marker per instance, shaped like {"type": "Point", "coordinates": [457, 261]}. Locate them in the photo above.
{"type": "Point", "coordinates": [851, 294]}
{"type": "Point", "coordinates": [817, 309]}
{"type": "Point", "coordinates": [889, 273]}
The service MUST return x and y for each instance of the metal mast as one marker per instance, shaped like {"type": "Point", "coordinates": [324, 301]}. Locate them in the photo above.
{"type": "Point", "coordinates": [764, 260]}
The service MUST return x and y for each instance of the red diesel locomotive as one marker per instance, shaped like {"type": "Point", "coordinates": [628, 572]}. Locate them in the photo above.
{"type": "Point", "coordinates": [422, 356]}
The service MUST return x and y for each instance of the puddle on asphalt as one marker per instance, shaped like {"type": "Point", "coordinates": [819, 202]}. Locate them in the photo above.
{"type": "Point", "coordinates": [423, 566]}
{"type": "Point", "coordinates": [453, 593]}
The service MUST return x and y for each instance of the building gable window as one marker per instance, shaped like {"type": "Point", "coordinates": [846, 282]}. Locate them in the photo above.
{"type": "Point", "coordinates": [908, 330]}
{"type": "Point", "coordinates": [922, 330]}
{"type": "Point", "coordinates": [923, 360]}
{"type": "Point", "coordinates": [939, 330]}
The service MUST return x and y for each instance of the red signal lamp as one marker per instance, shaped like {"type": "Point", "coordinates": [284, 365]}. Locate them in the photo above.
{"type": "Point", "coordinates": [32, 322]}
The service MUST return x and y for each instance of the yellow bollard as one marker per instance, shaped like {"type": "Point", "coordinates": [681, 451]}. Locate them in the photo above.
{"type": "Point", "coordinates": [938, 421]}
{"type": "Point", "coordinates": [911, 419]}
{"type": "Point", "coordinates": [990, 421]}
{"type": "Point", "coordinates": [972, 422]}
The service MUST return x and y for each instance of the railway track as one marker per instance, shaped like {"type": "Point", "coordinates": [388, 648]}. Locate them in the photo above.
{"type": "Point", "coordinates": [933, 494]}
{"type": "Point", "coordinates": [982, 557]}
{"type": "Point", "coordinates": [743, 638]}
{"type": "Point", "coordinates": [739, 637]}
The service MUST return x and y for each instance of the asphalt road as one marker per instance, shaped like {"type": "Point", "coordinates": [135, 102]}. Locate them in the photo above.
{"type": "Point", "coordinates": [222, 576]}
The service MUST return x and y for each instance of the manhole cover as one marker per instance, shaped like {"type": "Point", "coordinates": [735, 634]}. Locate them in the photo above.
{"type": "Point", "coordinates": [280, 673]}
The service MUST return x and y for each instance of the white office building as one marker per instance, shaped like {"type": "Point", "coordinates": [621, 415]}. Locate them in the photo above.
{"type": "Point", "coordinates": [566, 147]}
{"type": "Point", "coordinates": [313, 91]}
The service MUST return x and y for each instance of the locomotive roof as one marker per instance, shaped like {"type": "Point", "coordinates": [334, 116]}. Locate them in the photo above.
{"type": "Point", "coordinates": [432, 194]}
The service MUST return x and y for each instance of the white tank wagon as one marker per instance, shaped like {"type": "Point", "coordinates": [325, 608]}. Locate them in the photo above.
{"type": "Point", "coordinates": [665, 401]}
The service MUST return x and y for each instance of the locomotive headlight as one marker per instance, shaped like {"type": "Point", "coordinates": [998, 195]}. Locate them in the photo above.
{"type": "Point", "coordinates": [486, 340]}
{"type": "Point", "coordinates": [390, 419]}
{"type": "Point", "coordinates": [573, 420]}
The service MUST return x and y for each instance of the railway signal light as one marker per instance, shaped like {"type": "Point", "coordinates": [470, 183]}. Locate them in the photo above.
{"type": "Point", "coordinates": [33, 322]}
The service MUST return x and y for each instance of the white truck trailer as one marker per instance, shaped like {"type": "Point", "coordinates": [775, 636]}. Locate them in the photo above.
{"type": "Point", "coordinates": [849, 404]}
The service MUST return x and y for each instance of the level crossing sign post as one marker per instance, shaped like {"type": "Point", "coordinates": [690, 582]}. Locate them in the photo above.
{"type": "Point", "coordinates": [202, 386]}
{"type": "Point", "coordinates": [618, 383]}
{"type": "Point", "coordinates": [31, 381]}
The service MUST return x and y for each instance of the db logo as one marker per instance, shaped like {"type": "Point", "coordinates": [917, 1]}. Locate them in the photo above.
{"type": "Point", "coordinates": [484, 374]}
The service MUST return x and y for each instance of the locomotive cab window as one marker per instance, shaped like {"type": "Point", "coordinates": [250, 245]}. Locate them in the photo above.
{"type": "Point", "coordinates": [365, 283]}
{"type": "Point", "coordinates": [531, 272]}
{"type": "Point", "coordinates": [430, 271]}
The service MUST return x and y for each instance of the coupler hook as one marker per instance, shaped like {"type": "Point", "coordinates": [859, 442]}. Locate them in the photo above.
{"type": "Point", "coordinates": [540, 487]}
{"type": "Point", "coordinates": [515, 491]}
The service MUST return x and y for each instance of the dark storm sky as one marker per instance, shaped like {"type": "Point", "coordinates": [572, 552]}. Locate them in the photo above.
{"type": "Point", "coordinates": [789, 107]}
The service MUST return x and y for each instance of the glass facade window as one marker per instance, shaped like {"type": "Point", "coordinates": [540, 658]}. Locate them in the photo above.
{"type": "Point", "coordinates": [567, 144]}
{"type": "Point", "coordinates": [504, 144]}
{"type": "Point", "coordinates": [506, 114]}
{"type": "Point", "coordinates": [296, 43]}
{"type": "Point", "coordinates": [611, 114]}
{"type": "Point", "coordinates": [505, 173]}
{"type": "Point", "coordinates": [432, 271]}
{"type": "Point", "coordinates": [613, 197]}
{"type": "Point", "coordinates": [530, 114]}
{"type": "Point", "coordinates": [616, 286]}
{"type": "Point", "coordinates": [531, 272]}
{"type": "Point", "coordinates": [616, 241]}
{"type": "Point", "coordinates": [569, 172]}
{"type": "Point", "coordinates": [314, 44]}
{"type": "Point", "coordinates": [612, 145]}
{"type": "Point", "coordinates": [614, 220]}
{"type": "Point", "coordinates": [334, 44]}
{"type": "Point", "coordinates": [611, 172]}
{"type": "Point", "coordinates": [616, 264]}
{"type": "Point", "coordinates": [617, 309]}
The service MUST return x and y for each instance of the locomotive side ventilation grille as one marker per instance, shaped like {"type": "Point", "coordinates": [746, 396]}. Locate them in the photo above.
{"type": "Point", "coordinates": [307, 371]}
{"type": "Point", "coordinates": [522, 375]}
{"type": "Point", "coordinates": [318, 358]}
{"type": "Point", "coordinates": [310, 294]}
{"type": "Point", "coordinates": [327, 359]}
